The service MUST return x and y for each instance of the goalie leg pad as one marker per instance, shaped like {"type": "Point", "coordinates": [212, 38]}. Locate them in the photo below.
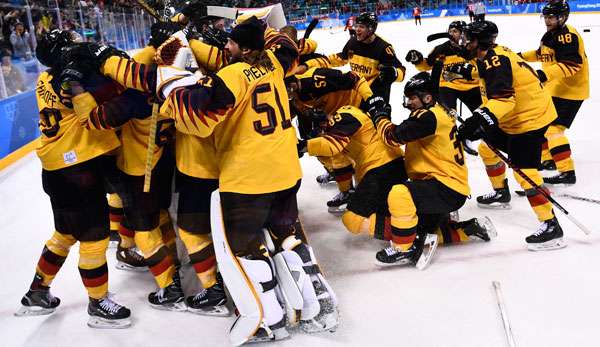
{"type": "Point", "coordinates": [300, 281]}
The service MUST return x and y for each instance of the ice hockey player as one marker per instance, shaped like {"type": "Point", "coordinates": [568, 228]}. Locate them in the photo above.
{"type": "Point", "coordinates": [435, 164]}
{"type": "Point", "coordinates": [513, 118]}
{"type": "Point", "coordinates": [251, 197]}
{"type": "Point", "coordinates": [565, 74]}
{"type": "Point", "coordinates": [75, 167]}
{"type": "Point", "coordinates": [349, 26]}
{"type": "Point", "coordinates": [368, 55]}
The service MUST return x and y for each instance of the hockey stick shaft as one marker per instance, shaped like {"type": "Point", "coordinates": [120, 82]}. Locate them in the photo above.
{"type": "Point", "coordinates": [580, 198]}
{"type": "Point", "coordinates": [311, 26]}
{"type": "Point", "coordinates": [151, 148]}
{"type": "Point", "coordinates": [528, 179]}
{"type": "Point", "coordinates": [504, 314]}
{"type": "Point", "coordinates": [151, 11]}
{"type": "Point", "coordinates": [437, 36]}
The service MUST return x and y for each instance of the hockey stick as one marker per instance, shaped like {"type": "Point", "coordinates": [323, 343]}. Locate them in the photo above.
{"type": "Point", "coordinates": [567, 195]}
{"type": "Point", "coordinates": [505, 322]}
{"type": "Point", "coordinates": [311, 26]}
{"type": "Point", "coordinates": [151, 148]}
{"type": "Point", "coordinates": [528, 179]}
{"type": "Point", "coordinates": [437, 36]}
{"type": "Point", "coordinates": [149, 9]}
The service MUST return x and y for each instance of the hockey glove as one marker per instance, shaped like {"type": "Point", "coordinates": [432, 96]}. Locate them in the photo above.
{"type": "Point", "coordinates": [387, 74]}
{"type": "Point", "coordinates": [90, 55]}
{"type": "Point", "coordinates": [215, 37]}
{"type": "Point", "coordinates": [302, 148]}
{"type": "Point", "coordinates": [161, 31]}
{"type": "Point", "coordinates": [71, 74]}
{"type": "Point", "coordinates": [475, 127]}
{"type": "Point", "coordinates": [378, 109]}
{"type": "Point", "coordinates": [414, 57]}
{"type": "Point", "coordinates": [459, 71]}
{"type": "Point", "coordinates": [541, 75]}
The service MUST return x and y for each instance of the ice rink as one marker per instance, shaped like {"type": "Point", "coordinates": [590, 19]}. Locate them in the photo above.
{"type": "Point", "coordinates": [553, 298]}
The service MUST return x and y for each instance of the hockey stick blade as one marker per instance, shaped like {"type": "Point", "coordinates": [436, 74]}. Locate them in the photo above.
{"type": "Point", "coordinates": [311, 26]}
{"type": "Point", "coordinates": [503, 314]}
{"type": "Point", "coordinates": [437, 36]}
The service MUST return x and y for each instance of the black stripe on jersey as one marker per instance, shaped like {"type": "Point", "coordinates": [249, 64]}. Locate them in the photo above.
{"type": "Point", "coordinates": [420, 124]}
{"type": "Point", "coordinates": [497, 74]}
{"type": "Point", "coordinates": [346, 126]}
{"type": "Point", "coordinates": [566, 51]}
{"type": "Point", "coordinates": [285, 50]}
{"type": "Point", "coordinates": [442, 51]}
{"type": "Point", "coordinates": [324, 81]}
{"type": "Point", "coordinates": [378, 50]}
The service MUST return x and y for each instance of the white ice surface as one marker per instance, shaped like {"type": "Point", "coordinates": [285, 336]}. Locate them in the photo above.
{"type": "Point", "coordinates": [552, 298]}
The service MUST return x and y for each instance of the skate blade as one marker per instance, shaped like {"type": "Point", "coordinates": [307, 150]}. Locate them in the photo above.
{"type": "Point", "coordinates": [559, 185]}
{"type": "Point", "coordinates": [103, 323]}
{"type": "Point", "coordinates": [126, 267]}
{"type": "Point", "coordinates": [324, 322]}
{"type": "Point", "coordinates": [113, 244]}
{"type": "Point", "coordinates": [280, 334]}
{"type": "Point", "coordinates": [337, 210]}
{"type": "Point", "coordinates": [548, 245]}
{"type": "Point", "coordinates": [27, 311]}
{"type": "Point", "coordinates": [398, 263]}
{"type": "Point", "coordinates": [429, 247]}
{"type": "Point", "coordinates": [486, 222]}
{"type": "Point", "coordinates": [495, 206]}
{"type": "Point", "coordinates": [175, 307]}
{"type": "Point", "coordinates": [217, 311]}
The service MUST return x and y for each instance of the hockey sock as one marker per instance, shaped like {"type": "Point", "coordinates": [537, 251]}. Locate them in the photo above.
{"type": "Point", "coordinates": [404, 218]}
{"type": "Point", "coordinates": [546, 152]}
{"type": "Point", "coordinates": [495, 168]}
{"type": "Point", "coordinates": [127, 236]}
{"type": "Point", "coordinates": [452, 232]}
{"type": "Point", "coordinates": [560, 148]}
{"type": "Point", "coordinates": [202, 256]}
{"type": "Point", "coordinates": [541, 206]}
{"type": "Point", "coordinates": [157, 256]}
{"type": "Point", "coordinates": [93, 268]}
{"type": "Point", "coordinates": [115, 212]}
{"type": "Point", "coordinates": [343, 178]}
{"type": "Point", "coordinates": [53, 257]}
{"type": "Point", "coordinates": [168, 234]}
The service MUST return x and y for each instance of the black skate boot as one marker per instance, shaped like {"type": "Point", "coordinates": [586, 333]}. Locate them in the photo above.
{"type": "Point", "coordinates": [211, 301]}
{"type": "Point", "coordinates": [107, 314]}
{"type": "Point", "coordinates": [38, 302]}
{"type": "Point", "coordinates": [479, 228]}
{"type": "Point", "coordinates": [274, 332]}
{"type": "Point", "coordinates": [419, 254]}
{"type": "Point", "coordinates": [549, 236]}
{"type": "Point", "coordinates": [130, 260]}
{"type": "Point", "coordinates": [339, 202]}
{"type": "Point", "coordinates": [548, 165]}
{"type": "Point", "coordinates": [325, 178]}
{"type": "Point", "coordinates": [498, 199]}
{"type": "Point", "coordinates": [566, 178]}
{"type": "Point", "coordinates": [170, 298]}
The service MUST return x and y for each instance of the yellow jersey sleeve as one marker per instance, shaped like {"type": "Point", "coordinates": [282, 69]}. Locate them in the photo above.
{"type": "Point", "coordinates": [336, 137]}
{"type": "Point", "coordinates": [208, 57]}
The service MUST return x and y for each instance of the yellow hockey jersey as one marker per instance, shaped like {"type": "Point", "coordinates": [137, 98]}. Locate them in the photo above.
{"type": "Point", "coordinates": [351, 132]}
{"type": "Point", "coordinates": [64, 142]}
{"type": "Point", "coordinates": [564, 62]}
{"type": "Point", "coordinates": [432, 150]}
{"type": "Point", "coordinates": [447, 53]}
{"type": "Point", "coordinates": [511, 90]}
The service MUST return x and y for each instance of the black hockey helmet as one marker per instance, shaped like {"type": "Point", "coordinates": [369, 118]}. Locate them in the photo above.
{"type": "Point", "coordinates": [48, 50]}
{"type": "Point", "coordinates": [485, 32]}
{"type": "Point", "coordinates": [558, 8]}
{"type": "Point", "coordinates": [458, 25]}
{"type": "Point", "coordinates": [368, 19]}
{"type": "Point", "coordinates": [420, 85]}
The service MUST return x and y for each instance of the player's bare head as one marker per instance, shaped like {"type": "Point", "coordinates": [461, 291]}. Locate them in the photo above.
{"type": "Point", "coordinates": [366, 25]}
{"type": "Point", "coordinates": [556, 13]}
{"type": "Point", "coordinates": [245, 38]}
{"type": "Point", "coordinates": [290, 31]}
{"type": "Point", "coordinates": [478, 37]}
{"type": "Point", "coordinates": [455, 30]}
{"type": "Point", "coordinates": [419, 92]}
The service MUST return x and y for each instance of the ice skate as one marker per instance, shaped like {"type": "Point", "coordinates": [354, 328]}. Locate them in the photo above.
{"type": "Point", "coordinates": [170, 298]}
{"type": "Point", "coordinates": [480, 228]}
{"type": "Point", "coordinates": [325, 178]}
{"type": "Point", "coordinates": [37, 303]}
{"type": "Point", "coordinates": [563, 179]}
{"type": "Point", "coordinates": [498, 199]}
{"type": "Point", "coordinates": [211, 302]}
{"type": "Point", "coordinates": [419, 254]}
{"type": "Point", "coordinates": [114, 239]}
{"type": "Point", "coordinates": [107, 314]}
{"type": "Point", "coordinates": [549, 236]}
{"type": "Point", "coordinates": [273, 333]}
{"type": "Point", "coordinates": [328, 317]}
{"type": "Point", "coordinates": [130, 259]}
{"type": "Point", "coordinates": [338, 203]}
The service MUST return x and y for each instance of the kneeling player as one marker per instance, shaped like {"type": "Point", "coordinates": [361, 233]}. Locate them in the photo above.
{"type": "Point", "coordinates": [435, 166]}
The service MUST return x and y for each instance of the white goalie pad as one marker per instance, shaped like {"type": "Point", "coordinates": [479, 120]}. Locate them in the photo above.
{"type": "Point", "coordinates": [168, 78]}
{"type": "Point", "coordinates": [273, 15]}
{"type": "Point", "coordinates": [243, 294]}
{"type": "Point", "coordinates": [222, 12]}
